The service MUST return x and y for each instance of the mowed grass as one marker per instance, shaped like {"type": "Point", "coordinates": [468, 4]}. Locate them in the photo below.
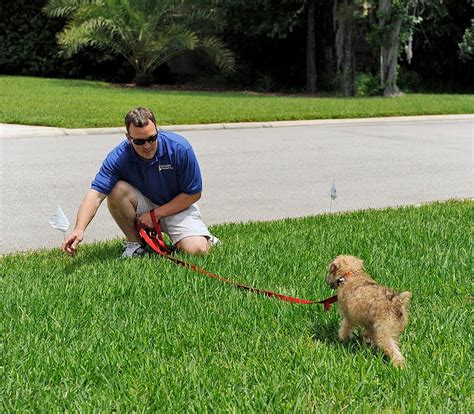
{"type": "Point", "coordinates": [84, 104]}
{"type": "Point", "coordinates": [96, 333]}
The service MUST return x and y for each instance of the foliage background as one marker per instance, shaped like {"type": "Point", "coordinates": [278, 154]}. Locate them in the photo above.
{"type": "Point", "coordinates": [28, 47]}
{"type": "Point", "coordinates": [269, 42]}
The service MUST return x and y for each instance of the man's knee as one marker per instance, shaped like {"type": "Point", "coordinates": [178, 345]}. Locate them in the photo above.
{"type": "Point", "coordinates": [122, 191]}
{"type": "Point", "coordinates": [195, 245]}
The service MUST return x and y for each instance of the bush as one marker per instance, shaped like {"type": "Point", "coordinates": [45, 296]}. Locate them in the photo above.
{"type": "Point", "coordinates": [368, 85]}
{"type": "Point", "coordinates": [28, 47]}
{"type": "Point", "coordinates": [265, 83]}
{"type": "Point", "coordinates": [27, 39]}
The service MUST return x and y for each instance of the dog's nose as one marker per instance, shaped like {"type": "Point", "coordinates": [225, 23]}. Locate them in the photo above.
{"type": "Point", "coordinates": [328, 281]}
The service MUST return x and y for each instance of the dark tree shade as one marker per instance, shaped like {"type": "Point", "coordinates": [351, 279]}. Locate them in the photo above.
{"type": "Point", "coordinates": [28, 46]}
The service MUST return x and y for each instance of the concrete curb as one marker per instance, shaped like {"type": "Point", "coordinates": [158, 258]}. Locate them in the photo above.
{"type": "Point", "coordinates": [25, 131]}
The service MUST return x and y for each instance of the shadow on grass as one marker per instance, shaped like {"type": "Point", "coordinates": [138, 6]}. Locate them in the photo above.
{"type": "Point", "coordinates": [90, 255]}
{"type": "Point", "coordinates": [326, 331]}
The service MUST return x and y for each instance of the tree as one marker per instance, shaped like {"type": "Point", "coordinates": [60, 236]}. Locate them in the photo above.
{"type": "Point", "coordinates": [436, 46]}
{"type": "Point", "coordinates": [274, 19]}
{"type": "Point", "coordinates": [147, 33]}
{"type": "Point", "coordinates": [345, 16]}
{"type": "Point", "coordinates": [466, 47]}
{"type": "Point", "coordinates": [390, 22]}
{"type": "Point", "coordinates": [396, 22]}
{"type": "Point", "coordinates": [311, 72]}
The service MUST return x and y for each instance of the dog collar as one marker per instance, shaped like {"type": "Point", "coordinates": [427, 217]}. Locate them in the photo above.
{"type": "Point", "coordinates": [342, 279]}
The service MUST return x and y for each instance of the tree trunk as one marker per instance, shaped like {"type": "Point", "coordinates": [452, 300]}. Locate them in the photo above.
{"type": "Point", "coordinates": [345, 48]}
{"type": "Point", "coordinates": [311, 73]}
{"type": "Point", "coordinates": [143, 74]}
{"type": "Point", "coordinates": [389, 46]}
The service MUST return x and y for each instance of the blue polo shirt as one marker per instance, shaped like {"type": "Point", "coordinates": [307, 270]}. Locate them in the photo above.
{"type": "Point", "coordinates": [173, 170]}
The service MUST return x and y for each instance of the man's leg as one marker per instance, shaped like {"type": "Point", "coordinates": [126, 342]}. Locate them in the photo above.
{"type": "Point", "coordinates": [122, 203]}
{"type": "Point", "coordinates": [187, 231]}
{"type": "Point", "coordinates": [194, 245]}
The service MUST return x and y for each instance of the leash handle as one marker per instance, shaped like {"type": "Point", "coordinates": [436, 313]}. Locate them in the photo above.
{"type": "Point", "coordinates": [158, 245]}
{"type": "Point", "coordinates": [156, 225]}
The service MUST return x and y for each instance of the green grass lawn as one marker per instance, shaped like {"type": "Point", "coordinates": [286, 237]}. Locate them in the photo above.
{"type": "Point", "coordinates": [96, 333]}
{"type": "Point", "coordinates": [82, 104]}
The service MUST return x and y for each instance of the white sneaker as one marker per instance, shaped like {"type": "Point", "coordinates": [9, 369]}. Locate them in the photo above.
{"type": "Point", "coordinates": [214, 240]}
{"type": "Point", "coordinates": [133, 249]}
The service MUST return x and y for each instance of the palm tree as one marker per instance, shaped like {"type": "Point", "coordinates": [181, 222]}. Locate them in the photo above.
{"type": "Point", "coordinates": [147, 33]}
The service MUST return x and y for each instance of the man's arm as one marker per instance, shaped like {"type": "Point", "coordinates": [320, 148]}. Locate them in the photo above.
{"type": "Point", "coordinates": [89, 206]}
{"type": "Point", "coordinates": [179, 203]}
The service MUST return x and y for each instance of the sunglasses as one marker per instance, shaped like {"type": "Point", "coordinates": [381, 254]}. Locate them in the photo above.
{"type": "Point", "coordinates": [150, 139]}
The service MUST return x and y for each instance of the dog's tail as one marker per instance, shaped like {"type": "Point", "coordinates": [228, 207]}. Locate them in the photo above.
{"type": "Point", "coordinates": [405, 297]}
{"type": "Point", "coordinates": [402, 301]}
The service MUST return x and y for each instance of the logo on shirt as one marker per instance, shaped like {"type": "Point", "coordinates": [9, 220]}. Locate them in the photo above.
{"type": "Point", "coordinates": [162, 167]}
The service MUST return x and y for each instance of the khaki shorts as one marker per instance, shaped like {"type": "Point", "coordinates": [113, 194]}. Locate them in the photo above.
{"type": "Point", "coordinates": [177, 226]}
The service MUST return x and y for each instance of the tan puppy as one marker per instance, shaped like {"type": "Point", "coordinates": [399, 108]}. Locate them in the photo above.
{"type": "Point", "coordinates": [382, 312]}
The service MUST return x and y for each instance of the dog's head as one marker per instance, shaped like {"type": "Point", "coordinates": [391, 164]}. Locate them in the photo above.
{"type": "Point", "coordinates": [342, 267]}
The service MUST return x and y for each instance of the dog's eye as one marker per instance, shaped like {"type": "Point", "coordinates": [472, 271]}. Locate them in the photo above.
{"type": "Point", "coordinates": [333, 268]}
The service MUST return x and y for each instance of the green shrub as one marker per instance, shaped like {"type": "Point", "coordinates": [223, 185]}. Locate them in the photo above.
{"type": "Point", "coordinates": [265, 83]}
{"type": "Point", "coordinates": [368, 85]}
{"type": "Point", "coordinates": [28, 47]}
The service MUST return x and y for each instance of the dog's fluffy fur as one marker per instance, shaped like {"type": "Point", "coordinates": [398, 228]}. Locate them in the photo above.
{"type": "Point", "coordinates": [380, 311]}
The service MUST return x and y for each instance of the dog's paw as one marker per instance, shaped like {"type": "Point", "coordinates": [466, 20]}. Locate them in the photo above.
{"type": "Point", "coordinates": [368, 340]}
{"type": "Point", "coordinates": [344, 337]}
{"type": "Point", "coordinates": [398, 362]}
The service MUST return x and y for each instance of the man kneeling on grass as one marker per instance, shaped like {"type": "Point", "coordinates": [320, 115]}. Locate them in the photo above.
{"type": "Point", "coordinates": [150, 170]}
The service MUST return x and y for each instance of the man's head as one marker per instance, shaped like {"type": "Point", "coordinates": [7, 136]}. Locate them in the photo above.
{"type": "Point", "coordinates": [139, 117]}
{"type": "Point", "coordinates": [142, 132]}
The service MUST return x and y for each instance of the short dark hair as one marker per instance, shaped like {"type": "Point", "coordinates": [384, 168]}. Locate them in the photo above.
{"type": "Point", "coordinates": [139, 117]}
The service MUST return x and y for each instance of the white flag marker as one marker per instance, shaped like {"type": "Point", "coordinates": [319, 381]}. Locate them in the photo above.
{"type": "Point", "coordinates": [333, 194]}
{"type": "Point", "coordinates": [59, 221]}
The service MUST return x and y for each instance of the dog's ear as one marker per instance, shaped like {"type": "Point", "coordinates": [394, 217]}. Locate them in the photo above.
{"type": "Point", "coordinates": [354, 263]}
{"type": "Point", "coordinates": [333, 268]}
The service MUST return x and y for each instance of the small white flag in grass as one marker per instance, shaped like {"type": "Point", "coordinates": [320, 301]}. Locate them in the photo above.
{"type": "Point", "coordinates": [333, 194]}
{"type": "Point", "coordinates": [59, 221]}
{"type": "Point", "coordinates": [333, 191]}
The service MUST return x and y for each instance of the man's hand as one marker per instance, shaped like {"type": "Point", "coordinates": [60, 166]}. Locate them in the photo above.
{"type": "Point", "coordinates": [145, 220]}
{"type": "Point", "coordinates": [71, 243]}
{"type": "Point", "coordinates": [86, 213]}
{"type": "Point", "coordinates": [181, 202]}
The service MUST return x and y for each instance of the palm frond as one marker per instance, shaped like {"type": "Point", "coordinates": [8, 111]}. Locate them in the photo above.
{"type": "Point", "coordinates": [203, 21]}
{"type": "Point", "coordinates": [180, 37]}
{"type": "Point", "coordinates": [218, 53]}
{"type": "Point", "coordinates": [69, 8]}
{"type": "Point", "coordinates": [176, 41]}
{"type": "Point", "coordinates": [146, 33]}
{"type": "Point", "coordinates": [93, 32]}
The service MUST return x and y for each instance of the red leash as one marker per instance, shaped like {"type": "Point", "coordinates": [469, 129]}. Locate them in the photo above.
{"type": "Point", "coordinates": [154, 239]}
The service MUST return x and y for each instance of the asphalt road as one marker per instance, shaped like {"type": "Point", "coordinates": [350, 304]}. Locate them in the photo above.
{"type": "Point", "coordinates": [249, 174]}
